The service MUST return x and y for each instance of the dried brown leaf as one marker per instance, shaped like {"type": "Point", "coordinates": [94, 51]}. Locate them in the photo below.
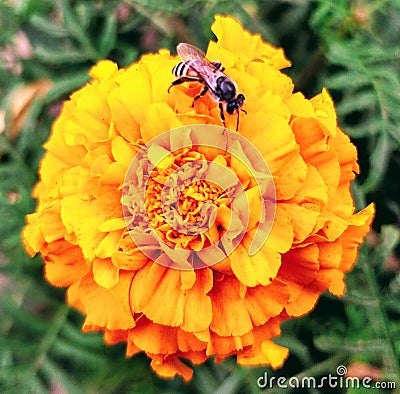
{"type": "Point", "coordinates": [21, 101]}
{"type": "Point", "coordinates": [2, 121]}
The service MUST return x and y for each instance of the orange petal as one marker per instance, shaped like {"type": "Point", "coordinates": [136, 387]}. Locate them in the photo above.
{"type": "Point", "coordinates": [149, 288]}
{"type": "Point", "coordinates": [347, 156]}
{"type": "Point", "coordinates": [198, 312]}
{"type": "Point", "coordinates": [124, 122]}
{"type": "Point", "coordinates": [315, 148]}
{"type": "Point", "coordinates": [159, 118]}
{"type": "Point", "coordinates": [282, 153]}
{"type": "Point", "coordinates": [305, 301]}
{"type": "Point", "coordinates": [103, 69]}
{"type": "Point", "coordinates": [230, 315]}
{"type": "Point", "coordinates": [105, 308]}
{"type": "Point", "coordinates": [170, 367]}
{"type": "Point", "coordinates": [313, 193]}
{"type": "Point", "coordinates": [299, 106]}
{"type": "Point", "coordinates": [281, 236]}
{"type": "Point", "coordinates": [54, 228]}
{"type": "Point", "coordinates": [300, 265]}
{"type": "Point", "coordinates": [97, 211]}
{"type": "Point", "coordinates": [105, 273]}
{"type": "Point", "coordinates": [255, 204]}
{"type": "Point", "coordinates": [64, 263]}
{"type": "Point", "coordinates": [325, 111]}
{"type": "Point", "coordinates": [260, 268]}
{"type": "Point", "coordinates": [303, 219]}
{"type": "Point", "coordinates": [108, 244]}
{"type": "Point", "coordinates": [32, 237]}
{"type": "Point", "coordinates": [330, 253]}
{"type": "Point", "coordinates": [264, 351]}
{"type": "Point", "coordinates": [189, 308]}
{"type": "Point", "coordinates": [129, 262]}
{"type": "Point", "coordinates": [229, 33]}
{"type": "Point", "coordinates": [154, 338]}
{"type": "Point", "coordinates": [187, 342]}
{"type": "Point", "coordinates": [112, 337]}
{"type": "Point", "coordinates": [353, 236]}
{"type": "Point", "coordinates": [225, 346]}
{"type": "Point", "coordinates": [266, 302]}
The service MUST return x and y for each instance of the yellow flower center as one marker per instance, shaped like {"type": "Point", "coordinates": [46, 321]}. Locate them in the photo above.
{"type": "Point", "coordinates": [182, 212]}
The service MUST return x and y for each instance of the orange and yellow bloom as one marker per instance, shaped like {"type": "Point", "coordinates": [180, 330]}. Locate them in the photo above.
{"type": "Point", "coordinates": [234, 307]}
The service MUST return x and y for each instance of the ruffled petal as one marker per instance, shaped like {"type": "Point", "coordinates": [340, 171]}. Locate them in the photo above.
{"type": "Point", "coordinates": [188, 308]}
{"type": "Point", "coordinates": [64, 263]}
{"type": "Point", "coordinates": [230, 315]}
{"type": "Point", "coordinates": [104, 308]}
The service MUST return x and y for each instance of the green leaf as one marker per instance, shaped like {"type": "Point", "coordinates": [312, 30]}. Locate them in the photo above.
{"type": "Point", "coordinates": [22, 318]}
{"type": "Point", "coordinates": [358, 102]}
{"type": "Point", "coordinates": [36, 6]}
{"type": "Point", "coordinates": [60, 379]}
{"type": "Point", "coordinates": [45, 25]}
{"type": "Point", "coordinates": [232, 383]}
{"type": "Point", "coordinates": [205, 380]}
{"type": "Point", "coordinates": [74, 27]}
{"type": "Point", "coordinates": [72, 23]}
{"type": "Point", "coordinates": [17, 345]}
{"type": "Point", "coordinates": [88, 340]}
{"type": "Point", "coordinates": [66, 56]}
{"type": "Point", "coordinates": [85, 357]}
{"type": "Point", "coordinates": [171, 6]}
{"type": "Point", "coordinates": [348, 79]}
{"type": "Point", "coordinates": [343, 54]}
{"type": "Point", "coordinates": [330, 344]}
{"type": "Point", "coordinates": [67, 84]}
{"type": "Point", "coordinates": [108, 36]}
{"type": "Point", "coordinates": [379, 160]}
{"type": "Point", "coordinates": [389, 239]}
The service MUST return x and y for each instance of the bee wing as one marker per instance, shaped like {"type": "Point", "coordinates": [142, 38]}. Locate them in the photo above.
{"type": "Point", "coordinates": [190, 52]}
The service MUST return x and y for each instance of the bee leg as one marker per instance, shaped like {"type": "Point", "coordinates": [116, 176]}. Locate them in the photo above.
{"type": "Point", "coordinates": [182, 80]}
{"type": "Point", "coordinates": [237, 120]}
{"type": "Point", "coordinates": [221, 114]}
{"type": "Point", "coordinates": [201, 94]}
{"type": "Point", "coordinates": [218, 66]}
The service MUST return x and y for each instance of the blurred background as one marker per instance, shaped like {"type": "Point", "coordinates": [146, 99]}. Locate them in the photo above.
{"type": "Point", "coordinates": [46, 50]}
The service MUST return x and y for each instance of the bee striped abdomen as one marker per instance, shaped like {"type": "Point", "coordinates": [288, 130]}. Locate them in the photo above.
{"type": "Point", "coordinates": [185, 69]}
{"type": "Point", "coordinates": [180, 69]}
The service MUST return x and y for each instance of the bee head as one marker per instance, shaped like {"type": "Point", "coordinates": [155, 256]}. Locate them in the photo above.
{"type": "Point", "coordinates": [234, 105]}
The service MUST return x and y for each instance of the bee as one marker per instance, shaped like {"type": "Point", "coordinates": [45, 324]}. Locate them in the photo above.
{"type": "Point", "coordinates": [196, 67]}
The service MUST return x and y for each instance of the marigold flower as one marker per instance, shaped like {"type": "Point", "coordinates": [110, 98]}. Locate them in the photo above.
{"type": "Point", "coordinates": [235, 306]}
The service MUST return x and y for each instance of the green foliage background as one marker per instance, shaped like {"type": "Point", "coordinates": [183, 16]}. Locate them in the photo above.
{"type": "Point", "coordinates": [350, 47]}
